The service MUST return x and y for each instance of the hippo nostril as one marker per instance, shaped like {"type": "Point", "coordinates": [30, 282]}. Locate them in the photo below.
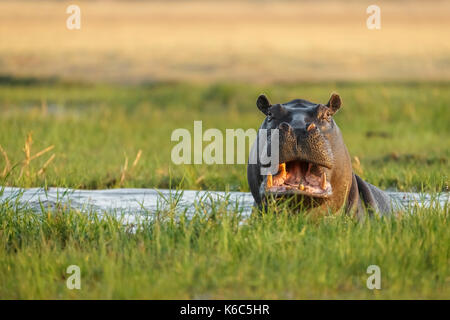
{"type": "Point", "coordinates": [284, 126]}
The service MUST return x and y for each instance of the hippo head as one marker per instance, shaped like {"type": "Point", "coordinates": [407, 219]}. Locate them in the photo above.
{"type": "Point", "coordinates": [314, 164]}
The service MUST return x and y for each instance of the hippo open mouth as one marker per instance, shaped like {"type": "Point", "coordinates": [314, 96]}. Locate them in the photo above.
{"type": "Point", "coordinates": [316, 169]}
{"type": "Point", "coordinates": [299, 177]}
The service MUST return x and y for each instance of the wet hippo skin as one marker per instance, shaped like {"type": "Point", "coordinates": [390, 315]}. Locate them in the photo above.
{"type": "Point", "coordinates": [314, 164]}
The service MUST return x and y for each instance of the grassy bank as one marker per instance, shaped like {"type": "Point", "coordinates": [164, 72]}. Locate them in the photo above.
{"type": "Point", "coordinates": [398, 132]}
{"type": "Point", "coordinates": [218, 254]}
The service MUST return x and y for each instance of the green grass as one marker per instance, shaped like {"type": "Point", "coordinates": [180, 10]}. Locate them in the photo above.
{"type": "Point", "coordinates": [219, 254]}
{"type": "Point", "coordinates": [400, 133]}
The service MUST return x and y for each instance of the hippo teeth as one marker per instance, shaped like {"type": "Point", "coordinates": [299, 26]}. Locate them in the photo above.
{"type": "Point", "coordinates": [282, 170]}
{"type": "Point", "coordinates": [269, 181]}
{"type": "Point", "coordinates": [323, 183]}
{"type": "Point", "coordinates": [301, 176]}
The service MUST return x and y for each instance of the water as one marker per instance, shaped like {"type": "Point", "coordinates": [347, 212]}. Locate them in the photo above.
{"type": "Point", "coordinates": [135, 202]}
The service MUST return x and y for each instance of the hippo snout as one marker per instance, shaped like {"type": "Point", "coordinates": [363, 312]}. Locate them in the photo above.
{"type": "Point", "coordinates": [305, 143]}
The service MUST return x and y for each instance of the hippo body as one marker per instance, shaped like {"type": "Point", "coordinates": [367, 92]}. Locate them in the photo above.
{"type": "Point", "coordinates": [314, 164]}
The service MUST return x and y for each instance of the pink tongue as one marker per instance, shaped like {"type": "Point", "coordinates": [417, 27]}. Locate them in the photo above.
{"type": "Point", "coordinates": [312, 179]}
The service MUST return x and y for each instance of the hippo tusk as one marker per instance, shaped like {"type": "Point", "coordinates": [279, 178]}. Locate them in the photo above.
{"type": "Point", "coordinates": [269, 181]}
{"type": "Point", "coordinates": [282, 169]}
{"type": "Point", "coordinates": [324, 181]}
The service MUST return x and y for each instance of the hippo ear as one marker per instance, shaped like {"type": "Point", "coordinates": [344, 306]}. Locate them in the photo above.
{"type": "Point", "coordinates": [334, 103]}
{"type": "Point", "coordinates": [263, 104]}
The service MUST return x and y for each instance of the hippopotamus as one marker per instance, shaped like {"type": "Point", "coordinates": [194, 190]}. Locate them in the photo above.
{"type": "Point", "coordinates": [314, 165]}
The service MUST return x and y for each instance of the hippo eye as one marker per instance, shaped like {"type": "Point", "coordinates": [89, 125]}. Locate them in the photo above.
{"type": "Point", "coordinates": [269, 116]}
{"type": "Point", "coordinates": [325, 116]}
{"type": "Point", "coordinates": [323, 113]}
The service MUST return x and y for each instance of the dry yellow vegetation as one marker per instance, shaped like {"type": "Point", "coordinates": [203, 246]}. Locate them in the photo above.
{"type": "Point", "coordinates": [256, 41]}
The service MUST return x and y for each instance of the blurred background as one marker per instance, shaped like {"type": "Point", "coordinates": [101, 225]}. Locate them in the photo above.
{"type": "Point", "coordinates": [256, 41]}
{"type": "Point", "coordinates": [137, 70]}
